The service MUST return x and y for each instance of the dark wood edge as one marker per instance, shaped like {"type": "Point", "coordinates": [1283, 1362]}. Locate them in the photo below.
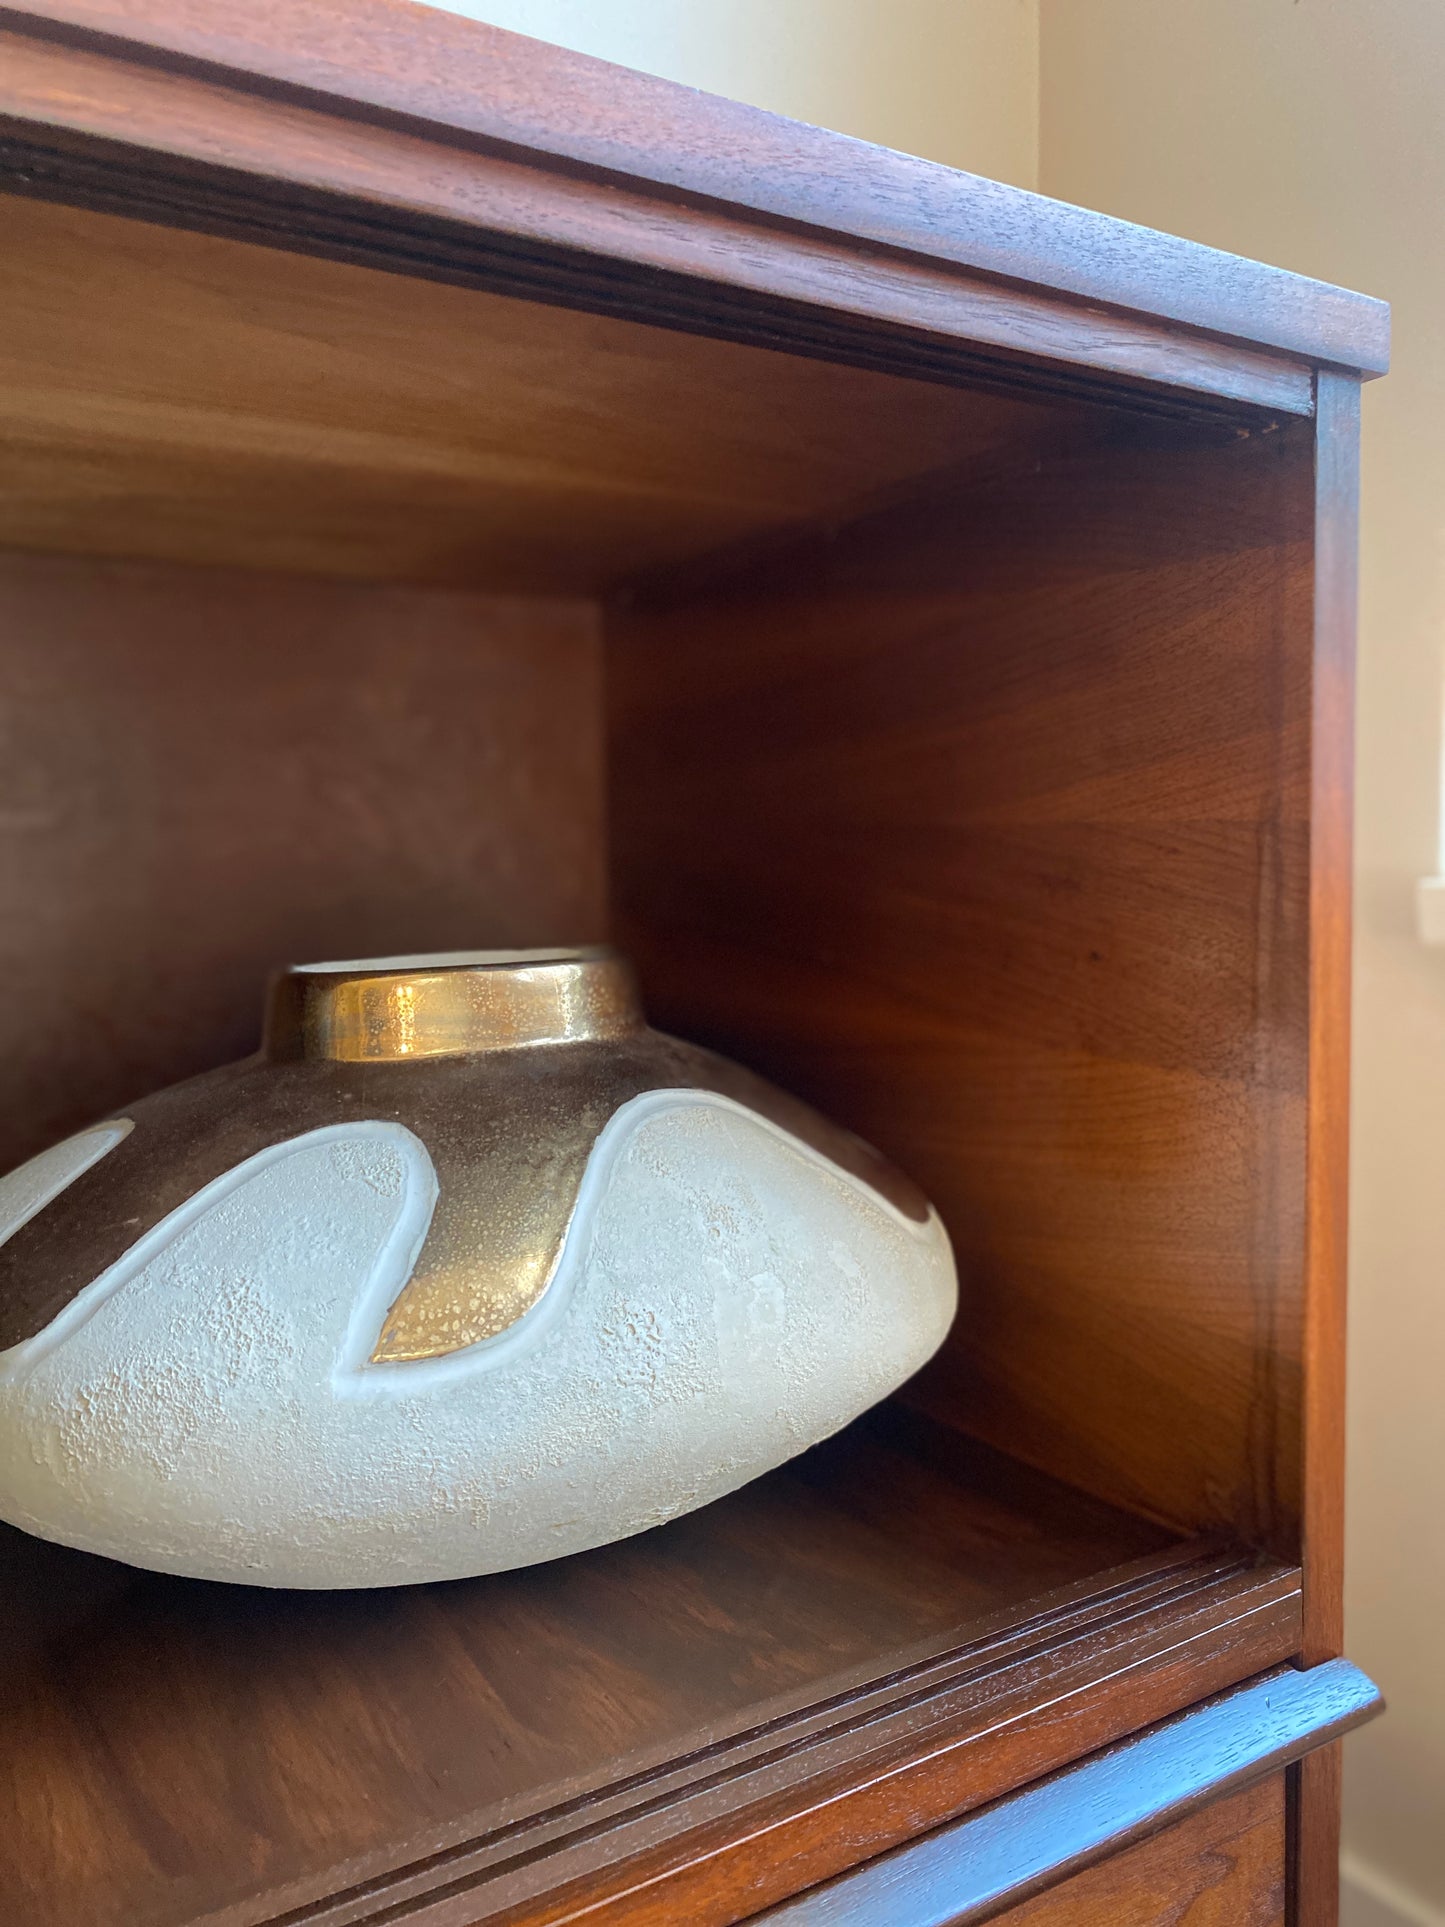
{"type": "Point", "coordinates": [1315, 1796]}
{"type": "Point", "coordinates": [1312, 1838]}
{"type": "Point", "coordinates": [1020, 1846]}
{"type": "Point", "coordinates": [938, 1733]}
{"type": "Point", "coordinates": [562, 109]}
{"type": "Point", "coordinates": [1091, 364]}
{"type": "Point", "coordinates": [1337, 458]}
{"type": "Point", "coordinates": [123, 136]}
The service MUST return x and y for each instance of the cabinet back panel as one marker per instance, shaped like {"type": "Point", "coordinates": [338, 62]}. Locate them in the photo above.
{"type": "Point", "coordinates": [985, 826]}
{"type": "Point", "coordinates": [208, 773]}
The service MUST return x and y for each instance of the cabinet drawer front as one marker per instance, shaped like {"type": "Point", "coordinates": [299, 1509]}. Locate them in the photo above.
{"type": "Point", "coordinates": [1047, 1851]}
{"type": "Point", "coordinates": [1223, 1867]}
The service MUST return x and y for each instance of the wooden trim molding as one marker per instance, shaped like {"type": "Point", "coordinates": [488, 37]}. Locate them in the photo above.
{"type": "Point", "coordinates": [460, 81]}
{"type": "Point", "coordinates": [147, 125]}
{"type": "Point", "coordinates": [1332, 777]}
{"type": "Point", "coordinates": [754, 1818]}
{"type": "Point", "coordinates": [1020, 1846]}
{"type": "Point", "coordinates": [1316, 1832]}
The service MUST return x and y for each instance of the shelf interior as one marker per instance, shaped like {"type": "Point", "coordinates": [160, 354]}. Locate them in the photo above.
{"type": "Point", "coordinates": [185, 397]}
{"type": "Point", "coordinates": [206, 1740]}
{"type": "Point", "coordinates": [940, 751]}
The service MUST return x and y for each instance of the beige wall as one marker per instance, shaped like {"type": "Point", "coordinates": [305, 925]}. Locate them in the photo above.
{"type": "Point", "coordinates": [954, 79]}
{"type": "Point", "coordinates": [1311, 133]}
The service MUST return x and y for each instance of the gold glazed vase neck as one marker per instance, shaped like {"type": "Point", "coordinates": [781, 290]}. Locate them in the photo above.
{"type": "Point", "coordinates": [455, 1004]}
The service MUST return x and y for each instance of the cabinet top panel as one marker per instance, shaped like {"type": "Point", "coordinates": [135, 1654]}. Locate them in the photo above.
{"type": "Point", "coordinates": [135, 71]}
{"type": "Point", "coordinates": [185, 397]}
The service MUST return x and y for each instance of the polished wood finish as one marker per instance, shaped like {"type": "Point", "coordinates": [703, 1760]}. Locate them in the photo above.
{"type": "Point", "coordinates": [208, 774]}
{"type": "Point", "coordinates": [1332, 789]}
{"type": "Point", "coordinates": [170, 394]}
{"type": "Point", "coordinates": [488, 221]}
{"type": "Point", "coordinates": [1223, 1867]}
{"type": "Point", "coordinates": [958, 589]}
{"type": "Point", "coordinates": [853, 1648]}
{"type": "Point", "coordinates": [985, 826]}
{"type": "Point", "coordinates": [577, 121]}
{"type": "Point", "coordinates": [1009, 1730]}
{"type": "Point", "coordinates": [1316, 1836]}
{"type": "Point", "coordinates": [973, 1871]}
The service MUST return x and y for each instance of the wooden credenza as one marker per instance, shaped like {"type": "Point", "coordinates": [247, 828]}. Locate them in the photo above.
{"type": "Point", "coordinates": [461, 493]}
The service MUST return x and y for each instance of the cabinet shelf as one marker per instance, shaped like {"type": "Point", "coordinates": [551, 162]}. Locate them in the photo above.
{"type": "Point", "coordinates": [768, 1666]}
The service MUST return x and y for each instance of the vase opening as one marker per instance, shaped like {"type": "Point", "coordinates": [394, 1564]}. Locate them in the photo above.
{"type": "Point", "coordinates": [449, 1004]}
{"type": "Point", "coordinates": [447, 960]}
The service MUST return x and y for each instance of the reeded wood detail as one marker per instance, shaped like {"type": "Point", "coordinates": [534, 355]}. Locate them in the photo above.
{"type": "Point", "coordinates": [859, 1645]}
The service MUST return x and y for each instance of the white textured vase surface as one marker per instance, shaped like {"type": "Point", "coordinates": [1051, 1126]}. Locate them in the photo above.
{"type": "Point", "coordinates": [210, 1404]}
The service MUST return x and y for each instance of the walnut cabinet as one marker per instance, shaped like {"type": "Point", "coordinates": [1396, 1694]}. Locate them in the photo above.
{"type": "Point", "coordinates": [459, 493]}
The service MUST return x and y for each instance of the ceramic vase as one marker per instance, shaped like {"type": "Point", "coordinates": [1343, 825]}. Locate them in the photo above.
{"type": "Point", "coordinates": [468, 1268]}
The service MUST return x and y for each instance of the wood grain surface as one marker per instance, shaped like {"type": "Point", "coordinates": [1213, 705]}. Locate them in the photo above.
{"type": "Point", "coordinates": [984, 824]}
{"type": "Point", "coordinates": [864, 1644]}
{"type": "Point", "coordinates": [1224, 1867]}
{"type": "Point", "coordinates": [1331, 821]}
{"type": "Point", "coordinates": [175, 395]}
{"type": "Point", "coordinates": [184, 151]}
{"type": "Point", "coordinates": [977, 684]}
{"type": "Point", "coordinates": [208, 774]}
{"type": "Point", "coordinates": [1316, 1835]}
{"type": "Point", "coordinates": [391, 62]}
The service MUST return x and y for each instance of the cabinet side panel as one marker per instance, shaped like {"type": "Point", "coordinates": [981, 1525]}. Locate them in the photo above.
{"type": "Point", "coordinates": [985, 825]}
{"type": "Point", "coordinates": [207, 774]}
{"type": "Point", "coordinates": [1332, 779]}
{"type": "Point", "coordinates": [1317, 1817]}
